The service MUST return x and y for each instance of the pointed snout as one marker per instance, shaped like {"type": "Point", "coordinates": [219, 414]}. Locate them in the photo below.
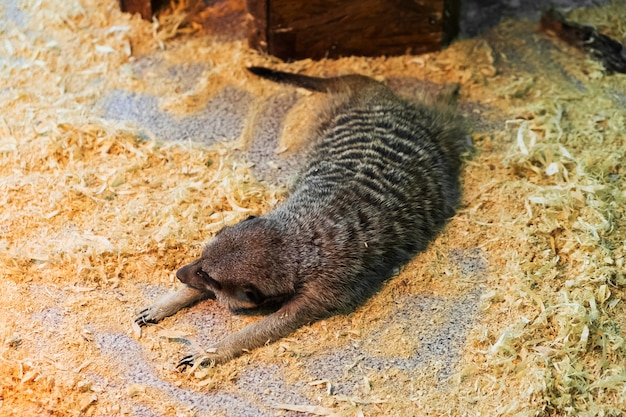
{"type": "Point", "coordinates": [188, 274]}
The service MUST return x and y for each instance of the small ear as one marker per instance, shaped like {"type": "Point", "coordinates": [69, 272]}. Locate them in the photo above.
{"type": "Point", "coordinates": [188, 274]}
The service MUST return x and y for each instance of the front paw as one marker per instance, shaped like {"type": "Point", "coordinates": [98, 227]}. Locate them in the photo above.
{"type": "Point", "coordinates": [197, 360]}
{"type": "Point", "coordinates": [149, 315]}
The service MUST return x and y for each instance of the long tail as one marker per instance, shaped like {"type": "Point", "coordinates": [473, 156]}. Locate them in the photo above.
{"type": "Point", "coordinates": [324, 85]}
{"type": "Point", "coordinates": [304, 81]}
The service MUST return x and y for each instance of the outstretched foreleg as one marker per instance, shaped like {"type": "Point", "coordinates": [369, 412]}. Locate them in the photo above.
{"type": "Point", "coordinates": [291, 316]}
{"type": "Point", "coordinates": [170, 304]}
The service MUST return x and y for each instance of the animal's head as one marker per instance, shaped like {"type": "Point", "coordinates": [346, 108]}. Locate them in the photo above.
{"type": "Point", "coordinates": [243, 265]}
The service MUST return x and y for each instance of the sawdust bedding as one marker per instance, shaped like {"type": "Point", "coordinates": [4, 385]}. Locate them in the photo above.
{"type": "Point", "coordinates": [98, 213]}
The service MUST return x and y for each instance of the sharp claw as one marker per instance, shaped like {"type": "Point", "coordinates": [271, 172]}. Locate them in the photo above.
{"type": "Point", "coordinates": [187, 361]}
{"type": "Point", "coordinates": [194, 361]}
{"type": "Point", "coordinates": [143, 320]}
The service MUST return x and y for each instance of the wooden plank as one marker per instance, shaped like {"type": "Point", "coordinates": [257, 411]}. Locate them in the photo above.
{"type": "Point", "coordinates": [143, 7]}
{"type": "Point", "coordinates": [332, 28]}
{"type": "Point", "coordinates": [257, 24]}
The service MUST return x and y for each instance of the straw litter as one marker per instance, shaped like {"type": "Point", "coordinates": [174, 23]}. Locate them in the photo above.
{"type": "Point", "coordinates": [516, 310]}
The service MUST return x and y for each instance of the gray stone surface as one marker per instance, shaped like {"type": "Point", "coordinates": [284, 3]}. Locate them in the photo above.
{"type": "Point", "coordinates": [479, 15]}
{"type": "Point", "coordinates": [127, 353]}
{"type": "Point", "coordinates": [221, 119]}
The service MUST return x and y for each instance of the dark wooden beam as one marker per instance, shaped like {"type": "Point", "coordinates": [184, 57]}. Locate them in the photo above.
{"type": "Point", "coordinates": [316, 29]}
{"type": "Point", "coordinates": [143, 7]}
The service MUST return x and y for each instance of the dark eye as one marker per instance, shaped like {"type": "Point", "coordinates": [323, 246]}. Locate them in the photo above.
{"type": "Point", "coordinates": [206, 278]}
{"type": "Point", "coordinates": [249, 218]}
{"type": "Point", "coordinates": [253, 295]}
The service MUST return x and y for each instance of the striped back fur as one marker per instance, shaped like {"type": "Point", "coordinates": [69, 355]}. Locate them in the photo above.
{"type": "Point", "coordinates": [380, 183]}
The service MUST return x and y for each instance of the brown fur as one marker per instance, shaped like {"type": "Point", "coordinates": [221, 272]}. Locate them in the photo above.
{"type": "Point", "coordinates": [381, 181]}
